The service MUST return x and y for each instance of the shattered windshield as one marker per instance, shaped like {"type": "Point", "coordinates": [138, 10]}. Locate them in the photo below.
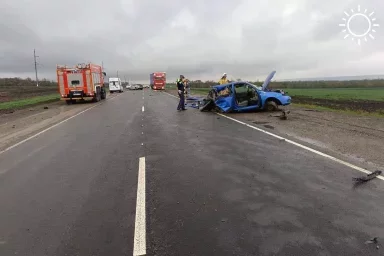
{"type": "Point", "coordinates": [256, 86]}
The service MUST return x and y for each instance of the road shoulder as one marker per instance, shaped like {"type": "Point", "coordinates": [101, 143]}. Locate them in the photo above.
{"type": "Point", "coordinates": [358, 138]}
{"type": "Point", "coordinates": [21, 124]}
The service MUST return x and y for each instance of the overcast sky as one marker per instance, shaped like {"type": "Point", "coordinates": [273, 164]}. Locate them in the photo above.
{"type": "Point", "coordinates": [201, 39]}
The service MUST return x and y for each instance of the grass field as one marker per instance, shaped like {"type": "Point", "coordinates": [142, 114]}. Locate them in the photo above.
{"type": "Point", "coordinates": [372, 94]}
{"type": "Point", "coordinates": [17, 104]}
{"type": "Point", "coordinates": [359, 100]}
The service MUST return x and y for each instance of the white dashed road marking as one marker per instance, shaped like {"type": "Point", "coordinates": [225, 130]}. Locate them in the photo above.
{"type": "Point", "coordinates": [139, 244]}
{"type": "Point", "coordinates": [142, 109]}
{"type": "Point", "coordinates": [298, 145]}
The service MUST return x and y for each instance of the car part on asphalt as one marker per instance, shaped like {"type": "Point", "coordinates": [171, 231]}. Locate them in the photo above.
{"type": "Point", "coordinates": [284, 114]}
{"type": "Point", "coordinates": [367, 177]}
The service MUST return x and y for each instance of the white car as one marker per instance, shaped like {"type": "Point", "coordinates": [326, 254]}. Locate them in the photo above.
{"type": "Point", "coordinates": [136, 87]}
{"type": "Point", "coordinates": [115, 85]}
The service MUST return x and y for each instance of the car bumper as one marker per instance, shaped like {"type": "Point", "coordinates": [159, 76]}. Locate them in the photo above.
{"type": "Point", "coordinates": [285, 100]}
{"type": "Point", "coordinates": [77, 98]}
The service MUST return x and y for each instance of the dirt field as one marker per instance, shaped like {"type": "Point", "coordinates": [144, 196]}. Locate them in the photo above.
{"type": "Point", "coordinates": [16, 88]}
{"type": "Point", "coordinates": [356, 138]}
{"type": "Point", "coordinates": [16, 93]}
{"type": "Point", "coordinates": [354, 105]}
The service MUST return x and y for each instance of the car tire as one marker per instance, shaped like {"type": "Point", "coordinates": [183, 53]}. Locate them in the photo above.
{"type": "Point", "coordinates": [208, 105]}
{"type": "Point", "coordinates": [271, 106]}
{"type": "Point", "coordinates": [103, 94]}
{"type": "Point", "coordinates": [97, 97]}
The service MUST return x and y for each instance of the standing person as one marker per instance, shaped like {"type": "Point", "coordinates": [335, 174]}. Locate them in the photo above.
{"type": "Point", "coordinates": [224, 79]}
{"type": "Point", "coordinates": [180, 90]}
{"type": "Point", "coordinates": [187, 88]}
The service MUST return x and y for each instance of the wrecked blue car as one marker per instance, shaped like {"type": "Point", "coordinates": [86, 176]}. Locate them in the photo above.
{"type": "Point", "coordinates": [244, 96]}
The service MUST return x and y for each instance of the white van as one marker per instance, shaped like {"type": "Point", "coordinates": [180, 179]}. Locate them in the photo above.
{"type": "Point", "coordinates": [115, 85]}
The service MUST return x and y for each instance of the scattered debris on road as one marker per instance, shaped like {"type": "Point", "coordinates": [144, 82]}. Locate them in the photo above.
{"type": "Point", "coordinates": [367, 177]}
{"type": "Point", "coordinates": [284, 114]}
{"type": "Point", "coordinates": [373, 241]}
{"type": "Point", "coordinates": [45, 107]}
{"type": "Point", "coordinates": [258, 122]}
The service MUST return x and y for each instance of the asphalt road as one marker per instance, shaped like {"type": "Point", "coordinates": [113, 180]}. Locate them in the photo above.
{"type": "Point", "coordinates": [213, 187]}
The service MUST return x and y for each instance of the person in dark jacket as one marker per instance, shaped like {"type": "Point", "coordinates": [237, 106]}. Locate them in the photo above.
{"type": "Point", "coordinates": [180, 90]}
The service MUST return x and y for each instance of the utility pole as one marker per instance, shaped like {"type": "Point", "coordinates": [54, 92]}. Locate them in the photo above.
{"type": "Point", "coordinates": [35, 58]}
{"type": "Point", "coordinates": [125, 79]}
{"type": "Point", "coordinates": [117, 74]}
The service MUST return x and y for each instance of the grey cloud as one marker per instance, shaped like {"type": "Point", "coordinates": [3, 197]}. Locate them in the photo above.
{"type": "Point", "coordinates": [136, 37]}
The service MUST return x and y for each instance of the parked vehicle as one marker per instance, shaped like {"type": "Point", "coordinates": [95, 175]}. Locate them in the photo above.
{"type": "Point", "coordinates": [244, 96]}
{"type": "Point", "coordinates": [115, 85]}
{"type": "Point", "coordinates": [81, 82]}
{"type": "Point", "coordinates": [157, 80]}
{"type": "Point", "coordinates": [136, 87]}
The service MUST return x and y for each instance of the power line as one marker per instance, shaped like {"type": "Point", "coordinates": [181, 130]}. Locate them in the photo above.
{"type": "Point", "coordinates": [35, 59]}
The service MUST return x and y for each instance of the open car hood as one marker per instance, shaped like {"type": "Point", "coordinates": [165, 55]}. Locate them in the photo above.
{"type": "Point", "coordinates": [268, 80]}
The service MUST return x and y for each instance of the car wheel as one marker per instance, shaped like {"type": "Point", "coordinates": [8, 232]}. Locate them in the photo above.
{"type": "Point", "coordinates": [208, 105]}
{"type": "Point", "coordinates": [271, 106]}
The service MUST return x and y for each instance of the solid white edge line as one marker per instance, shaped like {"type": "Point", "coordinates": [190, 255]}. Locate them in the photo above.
{"type": "Point", "coordinates": [298, 145]}
{"type": "Point", "coordinates": [139, 242]}
{"type": "Point", "coordinates": [53, 126]}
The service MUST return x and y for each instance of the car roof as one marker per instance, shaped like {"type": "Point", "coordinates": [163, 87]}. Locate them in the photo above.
{"type": "Point", "coordinates": [222, 86]}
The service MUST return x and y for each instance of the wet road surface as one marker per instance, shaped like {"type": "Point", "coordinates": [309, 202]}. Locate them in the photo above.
{"type": "Point", "coordinates": [210, 187]}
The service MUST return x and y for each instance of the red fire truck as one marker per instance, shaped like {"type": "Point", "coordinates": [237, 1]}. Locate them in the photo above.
{"type": "Point", "coordinates": [157, 80]}
{"type": "Point", "coordinates": [81, 82]}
